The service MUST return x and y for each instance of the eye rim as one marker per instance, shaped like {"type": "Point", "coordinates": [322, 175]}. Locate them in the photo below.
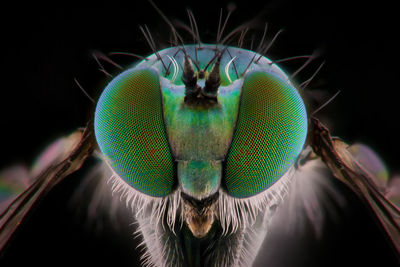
{"type": "Point", "coordinates": [287, 82]}
{"type": "Point", "coordinates": [126, 78]}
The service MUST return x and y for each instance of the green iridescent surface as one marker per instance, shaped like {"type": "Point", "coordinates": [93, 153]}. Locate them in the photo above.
{"type": "Point", "coordinates": [143, 126]}
{"type": "Point", "coordinates": [270, 134]}
{"type": "Point", "coordinates": [200, 134]}
{"type": "Point", "coordinates": [130, 132]}
{"type": "Point", "coordinates": [200, 178]}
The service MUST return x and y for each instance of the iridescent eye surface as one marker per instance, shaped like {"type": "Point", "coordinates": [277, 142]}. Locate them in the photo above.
{"type": "Point", "coordinates": [130, 132]}
{"type": "Point", "coordinates": [140, 106]}
{"type": "Point", "coordinates": [270, 133]}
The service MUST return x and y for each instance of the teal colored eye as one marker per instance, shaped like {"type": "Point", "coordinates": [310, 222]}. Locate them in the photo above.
{"type": "Point", "coordinates": [270, 133]}
{"type": "Point", "coordinates": [130, 132]}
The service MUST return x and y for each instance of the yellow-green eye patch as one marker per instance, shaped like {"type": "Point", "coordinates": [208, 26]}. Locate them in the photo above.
{"type": "Point", "coordinates": [270, 132]}
{"type": "Point", "coordinates": [130, 131]}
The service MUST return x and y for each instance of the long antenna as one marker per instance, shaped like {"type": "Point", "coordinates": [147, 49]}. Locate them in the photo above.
{"type": "Point", "coordinates": [194, 23]}
{"type": "Point", "coordinates": [265, 50]}
{"type": "Point", "coordinates": [258, 50]}
{"type": "Point", "coordinates": [304, 84]}
{"type": "Point", "coordinates": [102, 56]}
{"type": "Point", "coordinates": [231, 8]}
{"type": "Point", "coordinates": [128, 54]}
{"type": "Point", "coordinates": [241, 38]}
{"type": "Point", "coordinates": [173, 29]}
{"type": "Point", "coordinates": [84, 91]}
{"type": "Point", "coordinates": [290, 58]}
{"type": "Point", "coordinates": [101, 67]}
{"type": "Point", "coordinates": [313, 56]}
{"type": "Point", "coordinates": [219, 54]}
{"type": "Point", "coordinates": [326, 103]}
{"type": "Point", "coordinates": [152, 45]}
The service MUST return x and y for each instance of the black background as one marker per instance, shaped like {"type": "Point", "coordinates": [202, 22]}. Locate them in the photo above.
{"type": "Point", "coordinates": [46, 47]}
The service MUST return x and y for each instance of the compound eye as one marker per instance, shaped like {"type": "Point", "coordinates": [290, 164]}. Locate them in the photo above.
{"type": "Point", "coordinates": [130, 132]}
{"type": "Point", "coordinates": [270, 133]}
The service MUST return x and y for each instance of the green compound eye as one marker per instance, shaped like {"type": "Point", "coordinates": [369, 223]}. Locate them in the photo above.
{"type": "Point", "coordinates": [270, 132]}
{"type": "Point", "coordinates": [130, 132]}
